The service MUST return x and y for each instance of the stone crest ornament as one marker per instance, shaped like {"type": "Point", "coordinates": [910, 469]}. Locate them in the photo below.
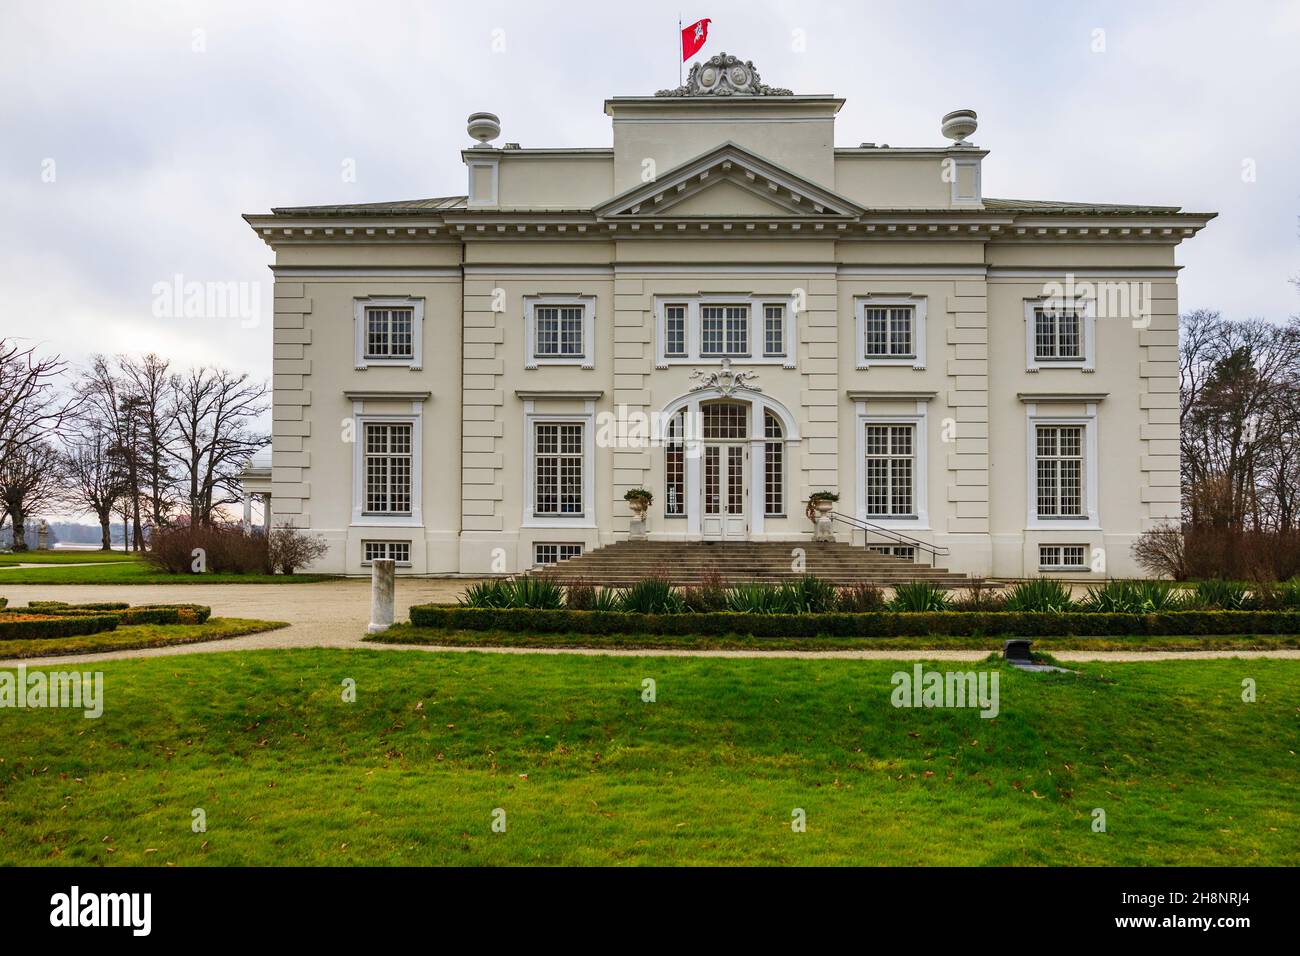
{"type": "Point", "coordinates": [724, 75]}
{"type": "Point", "coordinates": [725, 380]}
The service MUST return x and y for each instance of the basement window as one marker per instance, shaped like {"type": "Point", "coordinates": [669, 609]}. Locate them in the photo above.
{"type": "Point", "coordinates": [399, 551]}
{"type": "Point", "coordinates": [1062, 557]}
{"type": "Point", "coordinates": [550, 552]}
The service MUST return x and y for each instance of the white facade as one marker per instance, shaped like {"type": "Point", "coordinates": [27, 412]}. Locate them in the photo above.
{"type": "Point", "coordinates": [730, 311]}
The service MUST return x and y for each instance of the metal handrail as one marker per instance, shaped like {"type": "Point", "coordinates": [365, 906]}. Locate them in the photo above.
{"type": "Point", "coordinates": [896, 536]}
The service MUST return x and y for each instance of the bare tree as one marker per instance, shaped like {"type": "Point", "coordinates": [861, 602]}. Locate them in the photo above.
{"type": "Point", "coordinates": [214, 411]}
{"type": "Point", "coordinates": [96, 478]}
{"type": "Point", "coordinates": [30, 480]}
{"type": "Point", "coordinates": [32, 410]}
{"type": "Point", "coordinates": [150, 384]}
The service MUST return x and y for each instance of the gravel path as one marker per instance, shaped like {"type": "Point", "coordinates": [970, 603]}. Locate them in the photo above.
{"type": "Point", "coordinates": [335, 614]}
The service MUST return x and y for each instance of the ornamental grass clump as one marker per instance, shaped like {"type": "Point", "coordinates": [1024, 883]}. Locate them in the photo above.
{"type": "Point", "coordinates": [1042, 595]}
{"type": "Point", "coordinates": [920, 596]}
{"type": "Point", "coordinates": [1132, 597]}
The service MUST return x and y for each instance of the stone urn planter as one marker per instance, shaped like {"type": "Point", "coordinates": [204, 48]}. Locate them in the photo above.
{"type": "Point", "coordinates": [820, 506]}
{"type": "Point", "coordinates": [639, 501]}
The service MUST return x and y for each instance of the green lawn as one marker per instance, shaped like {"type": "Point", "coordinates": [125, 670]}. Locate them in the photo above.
{"type": "Point", "coordinates": [408, 634]}
{"type": "Point", "coordinates": [130, 636]}
{"type": "Point", "coordinates": [122, 569]}
{"type": "Point", "coordinates": [288, 773]}
{"type": "Point", "coordinates": [11, 558]}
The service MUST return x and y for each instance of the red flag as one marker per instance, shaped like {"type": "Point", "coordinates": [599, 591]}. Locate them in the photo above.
{"type": "Point", "coordinates": [693, 38]}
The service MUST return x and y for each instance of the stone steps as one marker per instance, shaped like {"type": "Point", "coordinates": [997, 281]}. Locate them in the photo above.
{"type": "Point", "coordinates": [690, 563]}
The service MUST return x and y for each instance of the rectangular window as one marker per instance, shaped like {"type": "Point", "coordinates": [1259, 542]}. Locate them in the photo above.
{"type": "Point", "coordinates": [1060, 471]}
{"type": "Point", "coordinates": [724, 330]}
{"type": "Point", "coordinates": [889, 467]}
{"type": "Point", "coordinates": [904, 551]}
{"type": "Point", "coordinates": [388, 469]}
{"type": "Point", "coordinates": [399, 551]}
{"type": "Point", "coordinates": [1058, 334]}
{"type": "Point", "coordinates": [1059, 557]}
{"type": "Point", "coordinates": [889, 331]}
{"type": "Point", "coordinates": [774, 330]}
{"type": "Point", "coordinates": [675, 330]}
{"type": "Point", "coordinates": [553, 553]}
{"type": "Point", "coordinates": [559, 331]}
{"type": "Point", "coordinates": [558, 449]}
{"type": "Point", "coordinates": [390, 333]}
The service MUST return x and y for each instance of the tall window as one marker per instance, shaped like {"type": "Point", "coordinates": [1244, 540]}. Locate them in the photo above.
{"type": "Point", "coordinates": [724, 330]}
{"type": "Point", "coordinates": [1060, 471]}
{"type": "Point", "coordinates": [559, 331]}
{"type": "Point", "coordinates": [558, 448]}
{"type": "Point", "coordinates": [675, 330]}
{"type": "Point", "coordinates": [891, 455]}
{"type": "Point", "coordinates": [1058, 334]}
{"type": "Point", "coordinates": [675, 468]}
{"type": "Point", "coordinates": [774, 330]}
{"type": "Point", "coordinates": [890, 331]}
{"type": "Point", "coordinates": [388, 468]}
{"type": "Point", "coordinates": [773, 466]}
{"type": "Point", "coordinates": [390, 333]}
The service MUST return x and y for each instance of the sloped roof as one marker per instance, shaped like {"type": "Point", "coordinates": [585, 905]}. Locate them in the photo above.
{"type": "Point", "coordinates": [411, 207]}
{"type": "Point", "coordinates": [1077, 208]}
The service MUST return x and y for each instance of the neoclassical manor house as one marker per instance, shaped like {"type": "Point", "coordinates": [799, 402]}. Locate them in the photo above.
{"type": "Point", "coordinates": [733, 312]}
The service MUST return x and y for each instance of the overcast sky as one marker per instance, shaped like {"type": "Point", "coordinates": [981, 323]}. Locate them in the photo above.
{"type": "Point", "coordinates": [133, 135]}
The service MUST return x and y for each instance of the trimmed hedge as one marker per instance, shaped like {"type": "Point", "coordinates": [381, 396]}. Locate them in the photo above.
{"type": "Point", "coordinates": [140, 614]}
{"type": "Point", "coordinates": [15, 625]}
{"type": "Point", "coordinates": [451, 617]}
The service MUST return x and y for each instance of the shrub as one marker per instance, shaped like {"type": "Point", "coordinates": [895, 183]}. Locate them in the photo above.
{"type": "Point", "coordinates": [1221, 595]}
{"type": "Point", "coordinates": [811, 595]}
{"type": "Point", "coordinates": [534, 593]}
{"type": "Point", "coordinates": [225, 549]}
{"type": "Point", "coordinates": [652, 595]}
{"type": "Point", "coordinates": [1133, 597]}
{"type": "Point", "coordinates": [709, 595]}
{"type": "Point", "coordinates": [608, 599]}
{"type": "Point", "coordinates": [124, 614]}
{"type": "Point", "coordinates": [1161, 552]}
{"type": "Point", "coordinates": [757, 597]}
{"type": "Point", "coordinates": [485, 594]}
{"type": "Point", "coordinates": [579, 595]}
{"type": "Point", "coordinates": [16, 625]}
{"type": "Point", "coordinates": [1044, 595]}
{"type": "Point", "coordinates": [861, 597]}
{"type": "Point", "coordinates": [1209, 551]}
{"type": "Point", "coordinates": [289, 549]}
{"type": "Point", "coordinates": [919, 596]}
{"type": "Point", "coordinates": [980, 597]}
{"type": "Point", "coordinates": [886, 624]}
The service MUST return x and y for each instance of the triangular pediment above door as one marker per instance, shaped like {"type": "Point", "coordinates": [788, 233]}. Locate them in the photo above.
{"type": "Point", "coordinates": [729, 181]}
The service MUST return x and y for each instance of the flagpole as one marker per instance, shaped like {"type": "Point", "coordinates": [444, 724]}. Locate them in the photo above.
{"type": "Point", "coordinates": [679, 49]}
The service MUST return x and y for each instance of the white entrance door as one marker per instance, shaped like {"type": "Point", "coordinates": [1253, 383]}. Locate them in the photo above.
{"type": "Point", "coordinates": [725, 505]}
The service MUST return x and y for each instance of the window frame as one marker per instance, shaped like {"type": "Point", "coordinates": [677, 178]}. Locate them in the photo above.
{"type": "Point", "coordinates": [558, 546]}
{"type": "Point", "coordinates": [1036, 416]}
{"type": "Point", "coordinates": [1087, 310]}
{"type": "Point", "coordinates": [755, 333]}
{"type": "Point", "coordinates": [774, 469]}
{"type": "Point", "coordinates": [920, 519]}
{"type": "Point", "coordinates": [532, 417]}
{"type": "Point", "coordinates": [361, 306]}
{"type": "Point", "coordinates": [388, 546]}
{"type": "Point", "coordinates": [361, 419]}
{"type": "Point", "coordinates": [1083, 564]}
{"type": "Point", "coordinates": [919, 305]}
{"type": "Point", "coordinates": [587, 358]}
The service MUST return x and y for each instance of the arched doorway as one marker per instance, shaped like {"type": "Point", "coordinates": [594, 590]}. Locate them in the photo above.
{"type": "Point", "coordinates": [725, 461]}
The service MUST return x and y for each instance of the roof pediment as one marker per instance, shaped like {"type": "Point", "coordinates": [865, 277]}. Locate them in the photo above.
{"type": "Point", "coordinates": [729, 181]}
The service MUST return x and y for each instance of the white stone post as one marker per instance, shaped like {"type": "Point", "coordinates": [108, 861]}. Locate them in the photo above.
{"type": "Point", "coordinates": [382, 581]}
{"type": "Point", "coordinates": [248, 513]}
